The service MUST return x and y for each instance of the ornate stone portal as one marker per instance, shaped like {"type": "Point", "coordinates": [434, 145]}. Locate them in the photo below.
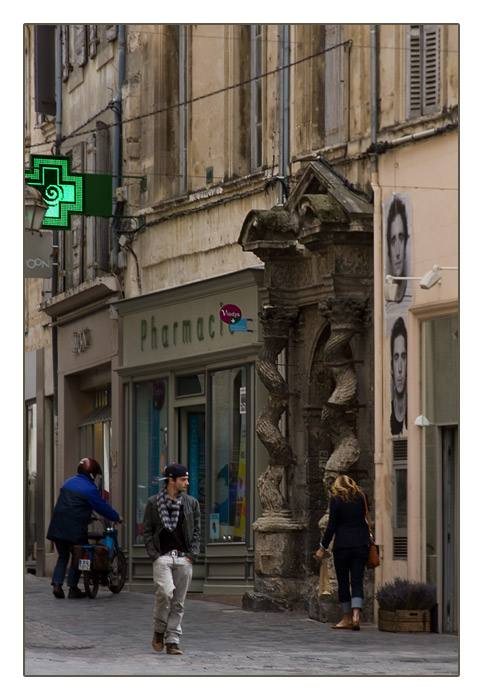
{"type": "Point", "coordinates": [317, 251]}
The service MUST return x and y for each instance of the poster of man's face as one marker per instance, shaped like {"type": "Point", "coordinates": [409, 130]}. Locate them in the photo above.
{"type": "Point", "coordinates": [397, 242]}
{"type": "Point", "coordinates": [397, 256]}
{"type": "Point", "coordinates": [399, 373]}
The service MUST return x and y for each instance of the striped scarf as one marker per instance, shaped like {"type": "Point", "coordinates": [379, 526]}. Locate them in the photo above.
{"type": "Point", "coordinates": [168, 509]}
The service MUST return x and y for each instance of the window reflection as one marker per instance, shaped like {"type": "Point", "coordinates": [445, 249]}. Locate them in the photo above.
{"type": "Point", "coordinates": [151, 443]}
{"type": "Point", "coordinates": [228, 456]}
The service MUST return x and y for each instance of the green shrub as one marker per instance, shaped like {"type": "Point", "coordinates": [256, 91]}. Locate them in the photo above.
{"type": "Point", "coordinates": [402, 594]}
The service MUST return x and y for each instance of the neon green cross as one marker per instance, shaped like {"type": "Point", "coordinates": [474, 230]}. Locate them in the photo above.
{"type": "Point", "coordinates": [60, 190]}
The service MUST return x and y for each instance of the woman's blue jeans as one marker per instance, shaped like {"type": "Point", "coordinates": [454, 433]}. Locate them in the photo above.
{"type": "Point", "coordinates": [63, 549]}
{"type": "Point", "coordinates": [349, 565]}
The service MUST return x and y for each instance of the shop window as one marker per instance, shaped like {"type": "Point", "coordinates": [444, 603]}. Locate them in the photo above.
{"type": "Point", "coordinates": [95, 436]}
{"type": "Point", "coordinates": [228, 456]}
{"type": "Point", "coordinates": [150, 444]}
{"type": "Point", "coordinates": [190, 385]}
{"type": "Point", "coordinates": [400, 499]}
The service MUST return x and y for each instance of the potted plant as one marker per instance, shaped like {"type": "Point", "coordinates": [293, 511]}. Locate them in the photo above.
{"type": "Point", "coordinates": [405, 606]}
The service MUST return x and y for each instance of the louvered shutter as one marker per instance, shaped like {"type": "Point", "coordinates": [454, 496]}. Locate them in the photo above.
{"type": "Point", "coordinates": [423, 69]}
{"type": "Point", "coordinates": [80, 44]}
{"type": "Point", "coordinates": [414, 82]}
{"type": "Point", "coordinates": [334, 84]}
{"type": "Point", "coordinates": [44, 48]}
{"type": "Point", "coordinates": [431, 69]}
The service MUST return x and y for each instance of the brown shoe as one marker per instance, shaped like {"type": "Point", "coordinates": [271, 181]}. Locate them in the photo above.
{"type": "Point", "coordinates": [158, 644]}
{"type": "Point", "coordinates": [173, 649]}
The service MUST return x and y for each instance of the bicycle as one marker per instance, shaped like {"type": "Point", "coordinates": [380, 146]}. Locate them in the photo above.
{"type": "Point", "coordinates": [112, 572]}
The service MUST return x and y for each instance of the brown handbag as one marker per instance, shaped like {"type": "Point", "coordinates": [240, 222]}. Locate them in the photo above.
{"type": "Point", "coordinates": [373, 558]}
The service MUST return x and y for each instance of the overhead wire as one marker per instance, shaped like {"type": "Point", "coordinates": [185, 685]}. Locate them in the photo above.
{"type": "Point", "coordinates": [76, 132]}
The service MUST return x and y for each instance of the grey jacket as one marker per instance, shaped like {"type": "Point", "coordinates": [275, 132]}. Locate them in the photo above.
{"type": "Point", "coordinates": [152, 526]}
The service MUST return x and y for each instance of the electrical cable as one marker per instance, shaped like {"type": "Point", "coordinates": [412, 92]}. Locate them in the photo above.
{"type": "Point", "coordinates": [190, 101]}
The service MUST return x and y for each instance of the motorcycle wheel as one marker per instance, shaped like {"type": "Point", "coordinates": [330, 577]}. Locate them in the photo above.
{"type": "Point", "coordinates": [117, 572]}
{"type": "Point", "coordinates": [91, 584]}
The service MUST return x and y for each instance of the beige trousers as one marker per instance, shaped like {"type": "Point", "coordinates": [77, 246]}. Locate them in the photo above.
{"type": "Point", "coordinates": [172, 577]}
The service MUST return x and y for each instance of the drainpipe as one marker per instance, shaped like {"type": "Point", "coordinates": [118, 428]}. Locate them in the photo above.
{"type": "Point", "coordinates": [284, 114]}
{"type": "Point", "coordinates": [55, 233]}
{"type": "Point", "coordinates": [117, 146]}
{"type": "Point", "coordinates": [183, 183]}
{"type": "Point", "coordinates": [378, 291]}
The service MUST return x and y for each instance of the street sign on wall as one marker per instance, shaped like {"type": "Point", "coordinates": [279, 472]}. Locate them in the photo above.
{"type": "Point", "coordinates": [37, 254]}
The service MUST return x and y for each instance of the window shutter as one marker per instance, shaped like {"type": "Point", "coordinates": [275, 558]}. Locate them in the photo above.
{"type": "Point", "coordinates": [80, 44]}
{"type": "Point", "coordinates": [93, 40]}
{"type": "Point", "coordinates": [414, 71]}
{"type": "Point", "coordinates": [334, 84]}
{"type": "Point", "coordinates": [66, 66]}
{"type": "Point", "coordinates": [431, 68]}
{"type": "Point", "coordinates": [423, 69]}
{"type": "Point", "coordinates": [111, 32]}
{"type": "Point", "coordinates": [44, 57]}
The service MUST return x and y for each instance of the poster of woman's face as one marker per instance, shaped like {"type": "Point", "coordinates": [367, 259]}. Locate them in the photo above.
{"type": "Point", "coordinates": [397, 242]}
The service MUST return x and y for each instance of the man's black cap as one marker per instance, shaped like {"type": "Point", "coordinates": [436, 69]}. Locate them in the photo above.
{"type": "Point", "coordinates": [175, 470]}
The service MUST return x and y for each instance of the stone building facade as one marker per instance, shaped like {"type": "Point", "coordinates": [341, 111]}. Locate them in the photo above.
{"type": "Point", "coordinates": [251, 165]}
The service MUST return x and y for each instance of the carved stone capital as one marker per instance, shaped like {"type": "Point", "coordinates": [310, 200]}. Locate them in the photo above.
{"type": "Point", "coordinates": [345, 312]}
{"type": "Point", "coordinates": [277, 320]}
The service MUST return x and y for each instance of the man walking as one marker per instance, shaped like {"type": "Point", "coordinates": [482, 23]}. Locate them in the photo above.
{"type": "Point", "coordinates": [171, 532]}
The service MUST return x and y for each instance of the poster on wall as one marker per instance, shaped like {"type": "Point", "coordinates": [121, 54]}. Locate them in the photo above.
{"type": "Point", "coordinates": [397, 233]}
{"type": "Point", "coordinates": [399, 399]}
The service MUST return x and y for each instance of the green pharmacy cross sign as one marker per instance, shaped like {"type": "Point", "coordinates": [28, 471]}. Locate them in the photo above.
{"type": "Point", "coordinates": [66, 193]}
{"type": "Point", "coordinates": [61, 191]}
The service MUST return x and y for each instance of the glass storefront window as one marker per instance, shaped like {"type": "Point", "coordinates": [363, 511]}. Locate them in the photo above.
{"type": "Point", "coordinates": [228, 488]}
{"type": "Point", "coordinates": [150, 444]}
{"type": "Point", "coordinates": [440, 405]}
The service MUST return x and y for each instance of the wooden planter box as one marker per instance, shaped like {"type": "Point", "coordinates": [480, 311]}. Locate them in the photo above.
{"type": "Point", "coordinates": [404, 621]}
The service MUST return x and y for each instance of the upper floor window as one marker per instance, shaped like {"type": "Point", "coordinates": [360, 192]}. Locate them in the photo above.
{"type": "Point", "coordinates": [423, 69]}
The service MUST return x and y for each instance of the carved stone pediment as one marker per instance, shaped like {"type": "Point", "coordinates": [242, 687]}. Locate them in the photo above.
{"type": "Point", "coordinates": [270, 234]}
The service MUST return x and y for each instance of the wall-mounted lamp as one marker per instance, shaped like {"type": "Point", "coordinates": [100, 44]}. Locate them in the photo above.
{"type": "Point", "coordinates": [428, 280]}
{"type": "Point", "coordinates": [34, 209]}
{"type": "Point", "coordinates": [422, 421]}
{"type": "Point", "coordinates": [433, 276]}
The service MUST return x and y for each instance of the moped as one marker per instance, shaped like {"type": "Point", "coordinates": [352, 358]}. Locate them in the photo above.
{"type": "Point", "coordinates": [102, 563]}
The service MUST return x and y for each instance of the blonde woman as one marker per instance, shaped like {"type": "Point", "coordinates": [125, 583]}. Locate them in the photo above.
{"type": "Point", "coordinates": [347, 521]}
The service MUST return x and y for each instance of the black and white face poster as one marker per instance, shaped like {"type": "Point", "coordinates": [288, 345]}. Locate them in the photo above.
{"type": "Point", "coordinates": [397, 232]}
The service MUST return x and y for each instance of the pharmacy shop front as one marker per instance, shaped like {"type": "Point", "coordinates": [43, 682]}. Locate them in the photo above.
{"type": "Point", "coordinates": [191, 395]}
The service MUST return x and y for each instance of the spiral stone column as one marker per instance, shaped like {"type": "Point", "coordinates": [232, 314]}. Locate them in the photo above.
{"type": "Point", "coordinates": [276, 324]}
{"type": "Point", "coordinates": [346, 319]}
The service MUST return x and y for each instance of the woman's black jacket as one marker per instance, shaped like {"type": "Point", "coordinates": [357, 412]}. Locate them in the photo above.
{"type": "Point", "coordinates": [347, 521]}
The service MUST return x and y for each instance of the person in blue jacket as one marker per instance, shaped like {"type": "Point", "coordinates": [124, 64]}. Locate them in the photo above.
{"type": "Point", "coordinates": [347, 524]}
{"type": "Point", "coordinates": [77, 499]}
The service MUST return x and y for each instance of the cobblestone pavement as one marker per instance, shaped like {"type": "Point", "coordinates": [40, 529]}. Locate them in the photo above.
{"type": "Point", "coordinates": [111, 636]}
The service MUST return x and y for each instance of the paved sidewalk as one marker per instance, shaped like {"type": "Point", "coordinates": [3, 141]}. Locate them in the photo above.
{"type": "Point", "coordinates": [111, 636]}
